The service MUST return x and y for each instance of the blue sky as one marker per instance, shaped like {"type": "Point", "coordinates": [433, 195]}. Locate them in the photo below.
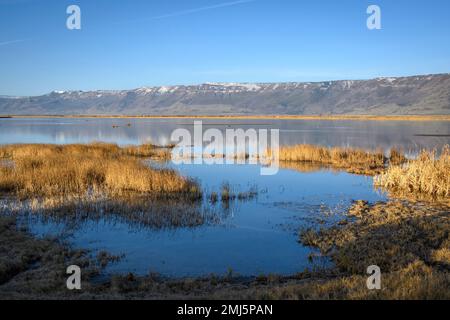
{"type": "Point", "coordinates": [134, 43]}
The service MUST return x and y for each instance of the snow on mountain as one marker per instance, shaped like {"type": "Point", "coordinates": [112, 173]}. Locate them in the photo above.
{"type": "Point", "coordinates": [427, 94]}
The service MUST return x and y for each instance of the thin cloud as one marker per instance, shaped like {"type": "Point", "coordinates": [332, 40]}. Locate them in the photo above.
{"type": "Point", "coordinates": [192, 11]}
{"type": "Point", "coordinates": [11, 42]}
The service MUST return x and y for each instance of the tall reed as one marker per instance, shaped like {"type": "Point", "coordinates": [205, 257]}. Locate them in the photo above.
{"type": "Point", "coordinates": [428, 175]}
{"type": "Point", "coordinates": [351, 159]}
{"type": "Point", "coordinates": [79, 170]}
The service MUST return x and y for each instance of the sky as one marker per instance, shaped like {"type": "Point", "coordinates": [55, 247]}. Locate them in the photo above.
{"type": "Point", "coordinates": [134, 43]}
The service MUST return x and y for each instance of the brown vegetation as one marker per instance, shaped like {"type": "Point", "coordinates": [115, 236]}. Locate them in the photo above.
{"type": "Point", "coordinates": [408, 242]}
{"type": "Point", "coordinates": [227, 193]}
{"type": "Point", "coordinates": [84, 170]}
{"type": "Point", "coordinates": [41, 262]}
{"type": "Point", "coordinates": [263, 117]}
{"type": "Point", "coordinates": [350, 159]}
{"type": "Point", "coordinates": [304, 167]}
{"type": "Point", "coordinates": [74, 182]}
{"type": "Point", "coordinates": [149, 151]}
{"type": "Point", "coordinates": [426, 176]}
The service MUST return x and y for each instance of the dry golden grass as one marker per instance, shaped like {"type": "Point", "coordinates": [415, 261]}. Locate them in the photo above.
{"type": "Point", "coordinates": [390, 235]}
{"type": "Point", "coordinates": [409, 242]}
{"type": "Point", "coordinates": [84, 170]}
{"type": "Point", "coordinates": [442, 255]}
{"type": "Point", "coordinates": [304, 167]}
{"type": "Point", "coordinates": [350, 159]}
{"type": "Point", "coordinates": [428, 175]}
{"type": "Point", "coordinates": [397, 157]}
{"type": "Point", "coordinates": [263, 117]}
{"type": "Point", "coordinates": [416, 281]}
{"type": "Point", "coordinates": [149, 151]}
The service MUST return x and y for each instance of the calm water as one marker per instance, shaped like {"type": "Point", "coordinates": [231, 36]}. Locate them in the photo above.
{"type": "Point", "coordinates": [253, 237]}
{"type": "Point", "coordinates": [411, 136]}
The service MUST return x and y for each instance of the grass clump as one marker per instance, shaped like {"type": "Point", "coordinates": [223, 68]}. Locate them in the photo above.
{"type": "Point", "coordinates": [40, 171]}
{"type": "Point", "coordinates": [351, 159]}
{"type": "Point", "coordinates": [427, 176]}
{"type": "Point", "coordinates": [396, 157]}
{"type": "Point", "coordinates": [149, 151]}
{"type": "Point", "coordinates": [413, 282]}
{"type": "Point", "coordinates": [77, 182]}
{"type": "Point", "coordinates": [409, 242]}
{"type": "Point", "coordinates": [228, 194]}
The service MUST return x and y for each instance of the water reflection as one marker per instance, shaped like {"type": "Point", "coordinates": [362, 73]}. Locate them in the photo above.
{"type": "Point", "coordinates": [253, 237]}
{"type": "Point", "coordinates": [411, 136]}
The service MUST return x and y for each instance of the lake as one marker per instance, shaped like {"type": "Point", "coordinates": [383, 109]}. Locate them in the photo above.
{"type": "Point", "coordinates": [412, 136]}
{"type": "Point", "coordinates": [252, 237]}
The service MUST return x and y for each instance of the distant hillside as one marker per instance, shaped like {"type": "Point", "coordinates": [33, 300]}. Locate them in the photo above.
{"type": "Point", "coordinates": [429, 94]}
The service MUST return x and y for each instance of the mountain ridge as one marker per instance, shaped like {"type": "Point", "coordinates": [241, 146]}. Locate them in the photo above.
{"type": "Point", "coordinates": [421, 95]}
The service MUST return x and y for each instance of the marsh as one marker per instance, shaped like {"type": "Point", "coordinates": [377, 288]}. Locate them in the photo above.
{"type": "Point", "coordinates": [190, 220]}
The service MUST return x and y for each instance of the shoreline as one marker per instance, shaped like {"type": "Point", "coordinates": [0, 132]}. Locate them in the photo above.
{"type": "Point", "coordinates": [413, 231]}
{"type": "Point", "coordinates": [248, 117]}
{"type": "Point", "coordinates": [424, 271]}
